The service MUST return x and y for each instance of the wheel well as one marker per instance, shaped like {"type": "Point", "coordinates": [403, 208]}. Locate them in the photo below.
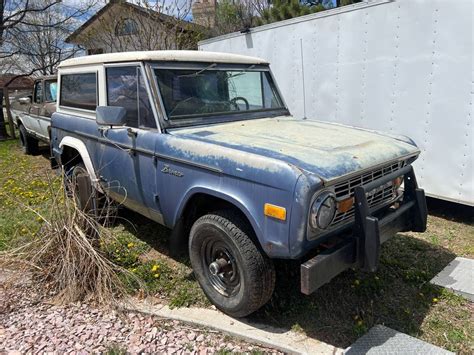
{"type": "Point", "coordinates": [70, 157]}
{"type": "Point", "coordinates": [197, 206]}
{"type": "Point", "coordinates": [202, 203]}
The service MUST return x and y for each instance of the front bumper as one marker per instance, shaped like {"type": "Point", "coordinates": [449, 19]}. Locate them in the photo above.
{"type": "Point", "coordinates": [362, 248]}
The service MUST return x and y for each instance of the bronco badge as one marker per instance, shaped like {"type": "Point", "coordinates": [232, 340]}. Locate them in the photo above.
{"type": "Point", "coordinates": [167, 170]}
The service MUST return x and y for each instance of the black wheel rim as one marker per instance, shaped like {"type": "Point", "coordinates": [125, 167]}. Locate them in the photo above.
{"type": "Point", "coordinates": [227, 281]}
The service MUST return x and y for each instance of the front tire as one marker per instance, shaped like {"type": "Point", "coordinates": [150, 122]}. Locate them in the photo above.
{"type": "Point", "coordinates": [29, 144]}
{"type": "Point", "coordinates": [236, 276]}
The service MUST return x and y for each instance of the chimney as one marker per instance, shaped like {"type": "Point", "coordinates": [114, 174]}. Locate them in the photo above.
{"type": "Point", "coordinates": [204, 13]}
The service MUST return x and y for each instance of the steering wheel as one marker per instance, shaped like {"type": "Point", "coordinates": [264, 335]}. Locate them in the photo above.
{"type": "Point", "coordinates": [240, 98]}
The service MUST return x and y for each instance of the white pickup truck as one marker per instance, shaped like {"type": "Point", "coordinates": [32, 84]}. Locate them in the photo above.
{"type": "Point", "coordinates": [32, 113]}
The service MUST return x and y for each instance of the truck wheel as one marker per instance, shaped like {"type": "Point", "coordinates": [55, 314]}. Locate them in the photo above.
{"type": "Point", "coordinates": [234, 274]}
{"type": "Point", "coordinates": [80, 187]}
{"type": "Point", "coordinates": [29, 144]}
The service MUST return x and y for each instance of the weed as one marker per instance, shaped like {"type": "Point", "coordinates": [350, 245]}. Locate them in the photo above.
{"type": "Point", "coordinates": [116, 349]}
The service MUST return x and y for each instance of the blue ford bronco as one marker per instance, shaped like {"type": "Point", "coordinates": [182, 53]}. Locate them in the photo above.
{"type": "Point", "coordinates": [204, 144]}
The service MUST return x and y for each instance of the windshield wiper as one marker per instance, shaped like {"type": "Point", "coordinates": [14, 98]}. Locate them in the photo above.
{"type": "Point", "coordinates": [198, 72]}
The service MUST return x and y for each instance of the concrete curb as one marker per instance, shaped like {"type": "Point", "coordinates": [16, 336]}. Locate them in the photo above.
{"type": "Point", "coordinates": [281, 339]}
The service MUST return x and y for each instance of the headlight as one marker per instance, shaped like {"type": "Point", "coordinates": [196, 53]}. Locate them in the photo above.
{"type": "Point", "coordinates": [323, 210]}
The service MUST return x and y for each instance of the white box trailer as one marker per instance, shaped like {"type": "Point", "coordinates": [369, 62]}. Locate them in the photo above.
{"type": "Point", "coordinates": [401, 66]}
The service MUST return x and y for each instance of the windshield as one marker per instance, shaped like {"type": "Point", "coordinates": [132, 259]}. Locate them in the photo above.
{"type": "Point", "coordinates": [210, 92]}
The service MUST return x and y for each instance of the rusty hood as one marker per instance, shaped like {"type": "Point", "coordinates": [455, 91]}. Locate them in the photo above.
{"type": "Point", "coordinates": [326, 149]}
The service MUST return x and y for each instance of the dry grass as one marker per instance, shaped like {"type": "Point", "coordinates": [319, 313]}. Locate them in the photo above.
{"type": "Point", "coordinates": [65, 254]}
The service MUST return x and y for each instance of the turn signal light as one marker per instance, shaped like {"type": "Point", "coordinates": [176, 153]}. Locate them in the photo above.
{"type": "Point", "coordinates": [275, 211]}
{"type": "Point", "coordinates": [345, 205]}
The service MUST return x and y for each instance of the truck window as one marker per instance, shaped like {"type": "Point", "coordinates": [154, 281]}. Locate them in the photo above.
{"type": "Point", "coordinates": [126, 88]}
{"type": "Point", "coordinates": [38, 96]}
{"type": "Point", "coordinates": [50, 90]}
{"type": "Point", "coordinates": [79, 91]}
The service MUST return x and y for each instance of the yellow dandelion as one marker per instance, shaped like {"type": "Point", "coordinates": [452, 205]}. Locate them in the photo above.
{"type": "Point", "coordinates": [130, 245]}
{"type": "Point", "coordinates": [155, 267]}
{"type": "Point", "coordinates": [156, 275]}
{"type": "Point", "coordinates": [435, 300]}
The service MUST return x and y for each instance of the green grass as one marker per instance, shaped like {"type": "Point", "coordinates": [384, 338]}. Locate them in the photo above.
{"type": "Point", "coordinates": [398, 295]}
{"type": "Point", "coordinates": [24, 186]}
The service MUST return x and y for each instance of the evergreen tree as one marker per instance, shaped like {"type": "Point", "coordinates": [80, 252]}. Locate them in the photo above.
{"type": "Point", "coordinates": [286, 9]}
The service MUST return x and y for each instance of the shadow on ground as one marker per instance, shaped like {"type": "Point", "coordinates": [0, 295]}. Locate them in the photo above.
{"type": "Point", "coordinates": [450, 210]}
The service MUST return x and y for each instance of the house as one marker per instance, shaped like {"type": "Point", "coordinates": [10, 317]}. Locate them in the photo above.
{"type": "Point", "coordinates": [121, 26]}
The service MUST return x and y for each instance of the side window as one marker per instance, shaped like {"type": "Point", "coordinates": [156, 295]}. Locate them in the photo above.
{"type": "Point", "coordinates": [270, 96]}
{"type": "Point", "coordinates": [50, 90]}
{"type": "Point", "coordinates": [79, 91]}
{"type": "Point", "coordinates": [38, 97]}
{"type": "Point", "coordinates": [247, 84]}
{"type": "Point", "coordinates": [126, 88]}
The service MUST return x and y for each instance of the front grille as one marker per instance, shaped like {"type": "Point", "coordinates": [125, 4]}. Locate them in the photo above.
{"type": "Point", "coordinates": [383, 196]}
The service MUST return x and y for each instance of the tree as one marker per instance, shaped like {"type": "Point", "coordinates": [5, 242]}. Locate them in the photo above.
{"type": "Point", "coordinates": [240, 15]}
{"type": "Point", "coordinates": [346, 2]}
{"type": "Point", "coordinates": [234, 16]}
{"type": "Point", "coordinates": [31, 34]}
{"type": "Point", "coordinates": [286, 9]}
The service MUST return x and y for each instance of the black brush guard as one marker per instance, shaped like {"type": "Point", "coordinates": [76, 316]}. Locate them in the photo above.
{"type": "Point", "coordinates": [369, 233]}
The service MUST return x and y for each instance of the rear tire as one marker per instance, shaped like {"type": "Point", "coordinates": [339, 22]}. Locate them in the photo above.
{"type": "Point", "coordinates": [80, 187]}
{"type": "Point", "coordinates": [245, 277]}
{"type": "Point", "coordinates": [29, 144]}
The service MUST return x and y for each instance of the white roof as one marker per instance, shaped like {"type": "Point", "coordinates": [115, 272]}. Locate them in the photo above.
{"type": "Point", "coordinates": [169, 56]}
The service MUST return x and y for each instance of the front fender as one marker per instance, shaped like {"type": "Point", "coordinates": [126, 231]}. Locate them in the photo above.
{"type": "Point", "coordinates": [272, 234]}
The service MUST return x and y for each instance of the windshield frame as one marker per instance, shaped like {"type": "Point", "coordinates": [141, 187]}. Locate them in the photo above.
{"type": "Point", "coordinates": [215, 118]}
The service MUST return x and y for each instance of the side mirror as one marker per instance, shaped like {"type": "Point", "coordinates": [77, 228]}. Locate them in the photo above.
{"type": "Point", "coordinates": [24, 100]}
{"type": "Point", "coordinates": [111, 116]}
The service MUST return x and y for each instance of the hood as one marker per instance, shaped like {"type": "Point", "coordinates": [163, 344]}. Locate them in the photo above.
{"type": "Point", "coordinates": [326, 149]}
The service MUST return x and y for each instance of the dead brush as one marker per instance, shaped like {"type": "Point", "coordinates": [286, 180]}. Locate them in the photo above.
{"type": "Point", "coordinates": [64, 257]}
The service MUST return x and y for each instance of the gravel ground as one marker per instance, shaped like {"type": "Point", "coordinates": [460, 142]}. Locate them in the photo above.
{"type": "Point", "coordinates": [28, 324]}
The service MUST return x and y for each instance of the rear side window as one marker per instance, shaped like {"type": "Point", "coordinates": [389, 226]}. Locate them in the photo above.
{"type": "Point", "coordinates": [79, 91]}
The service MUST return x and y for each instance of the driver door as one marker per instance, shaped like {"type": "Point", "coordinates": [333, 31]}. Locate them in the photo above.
{"type": "Point", "coordinates": [127, 153]}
